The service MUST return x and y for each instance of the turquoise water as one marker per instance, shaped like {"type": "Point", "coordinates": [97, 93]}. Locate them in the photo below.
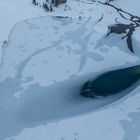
{"type": "Point", "coordinates": [111, 82]}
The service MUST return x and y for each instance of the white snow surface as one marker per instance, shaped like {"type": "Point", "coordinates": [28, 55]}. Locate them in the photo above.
{"type": "Point", "coordinates": [46, 62]}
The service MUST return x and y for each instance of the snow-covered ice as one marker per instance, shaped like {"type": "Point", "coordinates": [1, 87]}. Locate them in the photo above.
{"type": "Point", "coordinates": [46, 62]}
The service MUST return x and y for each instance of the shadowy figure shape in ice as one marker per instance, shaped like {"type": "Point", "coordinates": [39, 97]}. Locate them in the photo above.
{"type": "Point", "coordinates": [111, 82]}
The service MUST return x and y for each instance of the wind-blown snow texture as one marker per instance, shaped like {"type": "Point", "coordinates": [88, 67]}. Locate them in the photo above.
{"type": "Point", "coordinates": [46, 62]}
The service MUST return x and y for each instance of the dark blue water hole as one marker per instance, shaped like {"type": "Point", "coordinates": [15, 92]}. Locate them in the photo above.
{"type": "Point", "coordinates": [111, 82]}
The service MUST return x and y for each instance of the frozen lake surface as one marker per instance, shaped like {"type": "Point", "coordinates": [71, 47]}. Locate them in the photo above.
{"type": "Point", "coordinates": [46, 62]}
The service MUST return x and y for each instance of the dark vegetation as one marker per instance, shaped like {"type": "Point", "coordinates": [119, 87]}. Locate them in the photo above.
{"type": "Point", "coordinates": [47, 6]}
{"type": "Point", "coordinates": [34, 2]}
{"type": "Point", "coordinates": [127, 29]}
{"type": "Point", "coordinates": [58, 2]}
